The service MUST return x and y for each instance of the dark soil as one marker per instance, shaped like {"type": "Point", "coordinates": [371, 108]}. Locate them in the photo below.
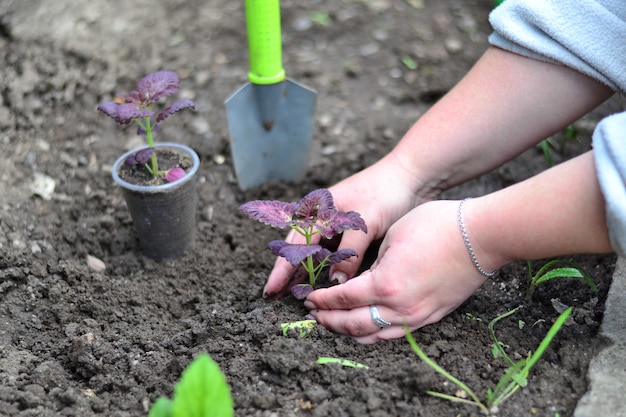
{"type": "Point", "coordinates": [80, 340]}
{"type": "Point", "coordinates": [136, 173]}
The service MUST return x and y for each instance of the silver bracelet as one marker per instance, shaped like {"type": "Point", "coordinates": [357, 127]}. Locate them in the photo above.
{"type": "Point", "coordinates": [459, 216]}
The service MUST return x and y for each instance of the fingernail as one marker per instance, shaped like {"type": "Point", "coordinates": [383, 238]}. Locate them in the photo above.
{"type": "Point", "coordinates": [309, 305]}
{"type": "Point", "coordinates": [340, 277]}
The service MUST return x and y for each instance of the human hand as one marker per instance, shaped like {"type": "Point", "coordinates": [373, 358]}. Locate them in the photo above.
{"type": "Point", "coordinates": [422, 273]}
{"type": "Point", "coordinates": [381, 194]}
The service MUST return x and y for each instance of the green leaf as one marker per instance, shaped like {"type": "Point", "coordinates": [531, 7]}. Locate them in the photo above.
{"type": "Point", "coordinates": [547, 339]}
{"type": "Point", "coordinates": [409, 62]}
{"type": "Point", "coordinates": [342, 362]}
{"type": "Point", "coordinates": [566, 273]}
{"type": "Point", "coordinates": [303, 327]}
{"type": "Point", "coordinates": [519, 380]}
{"type": "Point", "coordinates": [161, 408]}
{"type": "Point", "coordinates": [560, 273]}
{"type": "Point", "coordinates": [547, 154]}
{"type": "Point", "coordinates": [497, 350]}
{"type": "Point", "coordinates": [420, 353]}
{"type": "Point", "coordinates": [504, 386]}
{"type": "Point", "coordinates": [202, 391]}
{"type": "Point", "coordinates": [321, 18]}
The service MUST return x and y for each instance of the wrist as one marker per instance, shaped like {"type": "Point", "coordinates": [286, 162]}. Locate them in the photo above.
{"type": "Point", "coordinates": [468, 245]}
{"type": "Point", "coordinates": [414, 174]}
{"type": "Point", "coordinates": [488, 256]}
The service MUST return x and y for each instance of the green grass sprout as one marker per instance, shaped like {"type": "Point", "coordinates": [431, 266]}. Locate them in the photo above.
{"type": "Point", "coordinates": [302, 327]}
{"type": "Point", "coordinates": [497, 350]}
{"type": "Point", "coordinates": [321, 18]}
{"type": "Point", "coordinates": [343, 362]}
{"type": "Point", "coordinates": [544, 145]}
{"type": "Point", "coordinates": [473, 317]}
{"type": "Point", "coordinates": [557, 143]}
{"type": "Point", "coordinates": [515, 376]}
{"type": "Point", "coordinates": [409, 62]}
{"type": "Point", "coordinates": [550, 271]}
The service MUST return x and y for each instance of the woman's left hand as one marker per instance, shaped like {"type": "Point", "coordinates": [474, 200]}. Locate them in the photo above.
{"type": "Point", "coordinates": [423, 272]}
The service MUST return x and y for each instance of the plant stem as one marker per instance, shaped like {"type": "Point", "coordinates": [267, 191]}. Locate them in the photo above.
{"type": "Point", "coordinates": [148, 128]}
{"type": "Point", "coordinates": [496, 342]}
{"type": "Point", "coordinates": [309, 260]}
{"type": "Point", "coordinates": [418, 351]}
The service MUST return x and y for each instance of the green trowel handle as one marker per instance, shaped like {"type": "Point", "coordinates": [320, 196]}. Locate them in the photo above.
{"type": "Point", "coordinates": [264, 42]}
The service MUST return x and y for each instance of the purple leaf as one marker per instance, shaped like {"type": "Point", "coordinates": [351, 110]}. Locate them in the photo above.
{"type": "Point", "coordinates": [301, 291]}
{"type": "Point", "coordinates": [175, 107]}
{"type": "Point", "coordinates": [175, 174]}
{"type": "Point", "coordinates": [123, 113]}
{"type": "Point", "coordinates": [142, 156]}
{"type": "Point", "coordinates": [131, 160]}
{"type": "Point", "coordinates": [341, 222]}
{"type": "Point", "coordinates": [340, 255]}
{"type": "Point", "coordinates": [132, 97]}
{"type": "Point", "coordinates": [156, 85]}
{"type": "Point", "coordinates": [276, 245]}
{"type": "Point", "coordinates": [317, 204]}
{"type": "Point", "coordinates": [334, 257]}
{"type": "Point", "coordinates": [294, 254]}
{"type": "Point", "coordinates": [272, 213]}
{"type": "Point", "coordinates": [322, 254]}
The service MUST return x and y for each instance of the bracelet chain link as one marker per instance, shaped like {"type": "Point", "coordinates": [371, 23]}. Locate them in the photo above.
{"type": "Point", "coordinates": [459, 216]}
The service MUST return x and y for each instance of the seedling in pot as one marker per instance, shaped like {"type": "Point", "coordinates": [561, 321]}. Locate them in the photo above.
{"type": "Point", "coordinates": [137, 107]}
{"type": "Point", "coordinates": [515, 376]}
{"type": "Point", "coordinates": [201, 392]}
{"type": "Point", "coordinates": [315, 214]}
{"type": "Point", "coordinates": [550, 271]}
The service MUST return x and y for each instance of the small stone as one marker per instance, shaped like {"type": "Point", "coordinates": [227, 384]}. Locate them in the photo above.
{"type": "Point", "coordinates": [201, 125]}
{"type": "Point", "coordinates": [219, 159]}
{"type": "Point", "coordinates": [369, 49]}
{"type": "Point", "coordinates": [43, 186]}
{"type": "Point", "coordinates": [302, 24]}
{"type": "Point", "coordinates": [453, 45]}
{"type": "Point", "coordinates": [35, 248]}
{"type": "Point", "coordinates": [95, 264]}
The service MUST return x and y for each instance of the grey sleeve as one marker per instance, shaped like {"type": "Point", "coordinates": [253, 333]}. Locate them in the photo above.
{"type": "Point", "coordinates": [610, 159]}
{"type": "Point", "coordinates": [586, 35]}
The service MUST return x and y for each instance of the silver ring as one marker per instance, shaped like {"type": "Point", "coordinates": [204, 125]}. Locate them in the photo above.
{"type": "Point", "coordinates": [377, 319]}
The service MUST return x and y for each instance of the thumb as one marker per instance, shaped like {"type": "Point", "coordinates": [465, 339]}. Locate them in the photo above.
{"type": "Point", "coordinates": [283, 276]}
{"type": "Point", "coordinates": [278, 279]}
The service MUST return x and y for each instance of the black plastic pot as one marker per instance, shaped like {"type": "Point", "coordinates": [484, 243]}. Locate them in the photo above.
{"type": "Point", "coordinates": [164, 215]}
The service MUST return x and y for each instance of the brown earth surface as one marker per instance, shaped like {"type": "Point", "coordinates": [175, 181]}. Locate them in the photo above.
{"type": "Point", "coordinates": [79, 340]}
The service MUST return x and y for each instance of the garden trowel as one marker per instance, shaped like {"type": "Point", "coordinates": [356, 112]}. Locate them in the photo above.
{"type": "Point", "coordinates": [270, 118]}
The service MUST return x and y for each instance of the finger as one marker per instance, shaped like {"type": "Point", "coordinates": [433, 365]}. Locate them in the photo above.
{"type": "Point", "coordinates": [279, 278]}
{"type": "Point", "coordinates": [348, 268]}
{"type": "Point", "coordinates": [359, 323]}
{"type": "Point", "coordinates": [394, 332]}
{"type": "Point", "coordinates": [283, 275]}
{"type": "Point", "coordinates": [357, 292]}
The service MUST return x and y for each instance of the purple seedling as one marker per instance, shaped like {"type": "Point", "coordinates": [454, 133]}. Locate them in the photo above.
{"type": "Point", "coordinates": [136, 106]}
{"type": "Point", "coordinates": [315, 214]}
